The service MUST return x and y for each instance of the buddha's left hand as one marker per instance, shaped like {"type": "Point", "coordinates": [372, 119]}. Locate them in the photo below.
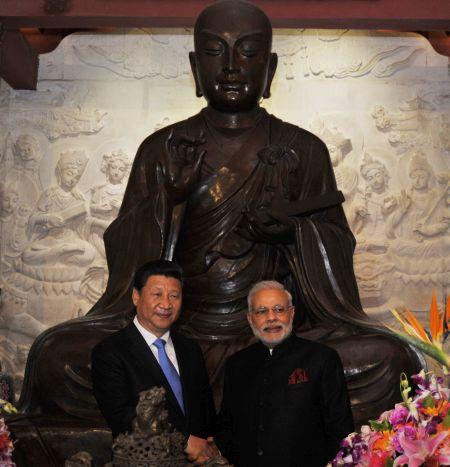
{"type": "Point", "coordinates": [268, 226]}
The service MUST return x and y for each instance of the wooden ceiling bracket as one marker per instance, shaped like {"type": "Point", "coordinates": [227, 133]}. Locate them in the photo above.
{"type": "Point", "coordinates": [19, 62]}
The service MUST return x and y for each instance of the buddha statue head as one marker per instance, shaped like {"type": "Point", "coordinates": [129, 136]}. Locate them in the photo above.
{"type": "Point", "coordinates": [232, 64]}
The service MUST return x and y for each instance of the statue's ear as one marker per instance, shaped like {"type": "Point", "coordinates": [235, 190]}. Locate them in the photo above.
{"type": "Point", "coordinates": [193, 61]}
{"type": "Point", "coordinates": [273, 62]}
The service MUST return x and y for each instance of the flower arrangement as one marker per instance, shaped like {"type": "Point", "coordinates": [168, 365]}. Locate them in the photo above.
{"type": "Point", "coordinates": [415, 433]}
{"type": "Point", "coordinates": [6, 444]}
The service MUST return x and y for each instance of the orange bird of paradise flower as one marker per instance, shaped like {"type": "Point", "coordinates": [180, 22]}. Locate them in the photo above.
{"type": "Point", "coordinates": [430, 342]}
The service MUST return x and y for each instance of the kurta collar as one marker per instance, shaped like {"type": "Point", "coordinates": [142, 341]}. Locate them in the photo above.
{"type": "Point", "coordinates": [280, 348]}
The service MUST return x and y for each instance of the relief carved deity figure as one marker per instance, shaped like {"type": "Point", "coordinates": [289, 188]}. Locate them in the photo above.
{"type": "Point", "coordinates": [234, 195]}
{"type": "Point", "coordinates": [4, 137]}
{"type": "Point", "coordinates": [13, 220]}
{"type": "Point", "coordinates": [56, 228]}
{"type": "Point", "coordinates": [338, 146]}
{"type": "Point", "coordinates": [368, 216]}
{"type": "Point", "coordinates": [417, 204]}
{"type": "Point", "coordinates": [25, 169]}
{"type": "Point", "coordinates": [418, 227]}
{"type": "Point", "coordinates": [21, 188]}
{"type": "Point", "coordinates": [104, 207]}
{"type": "Point", "coordinates": [438, 224]}
{"type": "Point", "coordinates": [107, 198]}
{"type": "Point", "coordinates": [372, 208]}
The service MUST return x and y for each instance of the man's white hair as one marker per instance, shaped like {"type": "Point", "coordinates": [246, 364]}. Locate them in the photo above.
{"type": "Point", "coordinates": [262, 285]}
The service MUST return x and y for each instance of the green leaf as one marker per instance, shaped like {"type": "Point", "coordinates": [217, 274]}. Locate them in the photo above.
{"type": "Point", "coordinates": [377, 426]}
{"type": "Point", "coordinates": [446, 422]}
{"type": "Point", "coordinates": [389, 463]}
{"type": "Point", "coordinates": [428, 402]}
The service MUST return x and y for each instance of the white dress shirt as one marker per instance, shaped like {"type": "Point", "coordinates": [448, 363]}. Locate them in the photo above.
{"type": "Point", "coordinates": [151, 338]}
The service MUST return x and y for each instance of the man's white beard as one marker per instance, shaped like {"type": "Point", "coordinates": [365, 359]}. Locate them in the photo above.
{"type": "Point", "coordinates": [286, 332]}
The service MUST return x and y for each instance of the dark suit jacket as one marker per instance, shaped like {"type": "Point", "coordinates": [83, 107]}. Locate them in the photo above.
{"type": "Point", "coordinates": [123, 365]}
{"type": "Point", "coordinates": [285, 410]}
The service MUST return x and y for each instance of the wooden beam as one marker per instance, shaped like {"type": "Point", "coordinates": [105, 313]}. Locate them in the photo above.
{"type": "Point", "coordinates": [19, 62]}
{"type": "Point", "coordinates": [411, 15]}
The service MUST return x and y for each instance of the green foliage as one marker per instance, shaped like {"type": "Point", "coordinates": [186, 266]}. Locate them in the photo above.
{"type": "Point", "coordinates": [380, 426]}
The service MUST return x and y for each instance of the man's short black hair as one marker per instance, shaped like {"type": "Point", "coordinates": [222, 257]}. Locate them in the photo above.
{"type": "Point", "coordinates": [159, 267]}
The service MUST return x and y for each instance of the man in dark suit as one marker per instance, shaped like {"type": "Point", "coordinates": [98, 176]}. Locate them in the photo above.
{"type": "Point", "coordinates": [285, 401]}
{"type": "Point", "coordinates": [149, 353]}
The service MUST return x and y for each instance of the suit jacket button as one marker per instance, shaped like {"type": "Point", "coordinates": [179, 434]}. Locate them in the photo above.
{"type": "Point", "coordinates": [261, 427]}
{"type": "Point", "coordinates": [260, 452]}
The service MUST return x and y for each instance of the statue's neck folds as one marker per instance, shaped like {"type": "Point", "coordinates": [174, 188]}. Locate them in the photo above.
{"type": "Point", "coordinates": [233, 120]}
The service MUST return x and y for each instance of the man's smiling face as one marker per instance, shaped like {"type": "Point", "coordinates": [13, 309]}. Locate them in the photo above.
{"type": "Point", "coordinates": [158, 303]}
{"type": "Point", "coordinates": [271, 316]}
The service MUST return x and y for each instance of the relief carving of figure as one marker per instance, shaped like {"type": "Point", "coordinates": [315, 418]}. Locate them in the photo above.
{"type": "Point", "coordinates": [56, 228]}
{"type": "Point", "coordinates": [25, 170]}
{"type": "Point", "coordinates": [104, 207]}
{"type": "Point", "coordinates": [13, 219]}
{"type": "Point", "coordinates": [338, 147]}
{"type": "Point", "coordinates": [439, 223]}
{"type": "Point", "coordinates": [418, 228]}
{"type": "Point", "coordinates": [4, 137]}
{"type": "Point", "coordinates": [416, 205]}
{"type": "Point", "coordinates": [371, 209]}
{"type": "Point", "coordinates": [8, 206]}
{"type": "Point", "coordinates": [107, 198]}
{"type": "Point", "coordinates": [368, 216]}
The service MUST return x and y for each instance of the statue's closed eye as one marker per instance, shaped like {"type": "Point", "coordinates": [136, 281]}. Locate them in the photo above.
{"type": "Point", "coordinates": [249, 48]}
{"type": "Point", "coordinates": [213, 48]}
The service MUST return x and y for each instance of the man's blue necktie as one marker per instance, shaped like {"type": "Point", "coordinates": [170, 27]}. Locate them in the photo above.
{"type": "Point", "coordinates": [169, 371]}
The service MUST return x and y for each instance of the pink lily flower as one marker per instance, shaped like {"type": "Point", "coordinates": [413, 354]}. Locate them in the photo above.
{"type": "Point", "coordinates": [417, 451]}
{"type": "Point", "coordinates": [444, 454]}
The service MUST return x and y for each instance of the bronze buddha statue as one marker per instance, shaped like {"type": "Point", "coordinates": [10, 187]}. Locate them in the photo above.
{"type": "Point", "coordinates": [234, 195]}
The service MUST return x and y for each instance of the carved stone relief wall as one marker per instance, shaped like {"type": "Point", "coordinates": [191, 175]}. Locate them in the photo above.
{"type": "Point", "coordinates": [380, 101]}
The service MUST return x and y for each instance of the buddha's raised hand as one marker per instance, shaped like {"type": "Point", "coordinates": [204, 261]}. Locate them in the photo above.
{"type": "Point", "coordinates": [182, 165]}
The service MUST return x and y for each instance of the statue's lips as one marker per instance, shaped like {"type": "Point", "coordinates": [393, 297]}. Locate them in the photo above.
{"type": "Point", "coordinates": [232, 86]}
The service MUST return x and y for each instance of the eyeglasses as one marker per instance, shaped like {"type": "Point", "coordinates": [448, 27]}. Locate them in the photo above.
{"type": "Point", "coordinates": [277, 309]}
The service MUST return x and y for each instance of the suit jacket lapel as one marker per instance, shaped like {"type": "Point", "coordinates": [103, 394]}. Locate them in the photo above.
{"type": "Point", "coordinates": [151, 372]}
